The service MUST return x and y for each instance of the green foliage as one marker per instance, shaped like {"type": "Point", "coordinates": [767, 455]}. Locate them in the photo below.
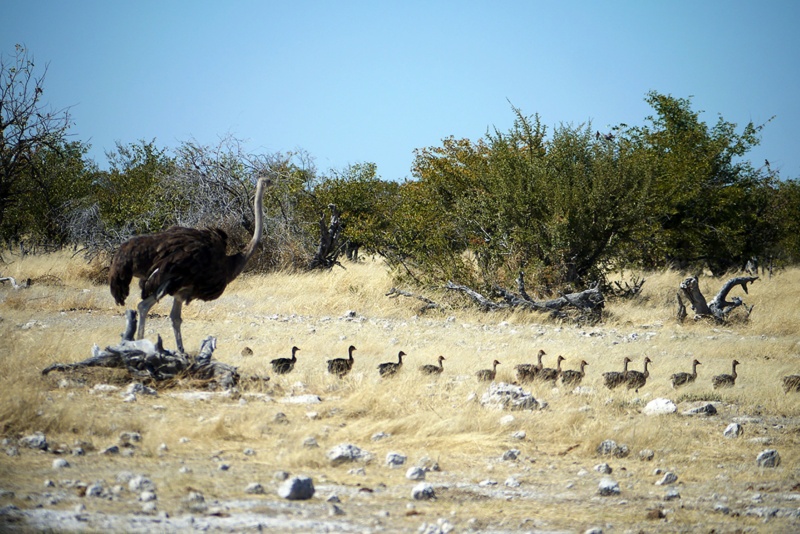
{"type": "Point", "coordinates": [708, 204]}
{"type": "Point", "coordinates": [130, 194]}
{"type": "Point", "coordinates": [58, 179]}
{"type": "Point", "coordinates": [366, 204]}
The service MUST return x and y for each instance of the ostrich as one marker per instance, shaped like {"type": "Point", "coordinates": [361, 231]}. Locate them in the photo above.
{"type": "Point", "coordinates": [528, 371]}
{"type": "Point", "coordinates": [726, 381]}
{"type": "Point", "coordinates": [430, 369]}
{"type": "Point", "coordinates": [341, 366]}
{"type": "Point", "coordinates": [390, 368]}
{"type": "Point", "coordinates": [571, 377]}
{"type": "Point", "coordinates": [282, 366]}
{"type": "Point", "coordinates": [548, 374]}
{"type": "Point", "coordinates": [681, 379]}
{"type": "Point", "coordinates": [614, 379]}
{"type": "Point", "coordinates": [488, 374]}
{"type": "Point", "coordinates": [791, 383]}
{"type": "Point", "coordinates": [637, 379]}
{"type": "Point", "coordinates": [185, 263]}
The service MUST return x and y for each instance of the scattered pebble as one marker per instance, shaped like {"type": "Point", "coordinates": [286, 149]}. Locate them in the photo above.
{"type": "Point", "coordinates": [646, 455]}
{"type": "Point", "coordinates": [511, 454]}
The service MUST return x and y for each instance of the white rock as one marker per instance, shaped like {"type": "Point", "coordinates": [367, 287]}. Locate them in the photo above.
{"type": "Point", "coordinates": [395, 459]}
{"type": "Point", "coordinates": [415, 473]}
{"type": "Point", "coordinates": [297, 489]}
{"type": "Point", "coordinates": [668, 478]}
{"type": "Point", "coordinates": [141, 483]}
{"type": "Point", "coordinates": [346, 452]}
{"type": "Point", "coordinates": [768, 458]}
{"type": "Point", "coordinates": [608, 487]}
{"type": "Point", "coordinates": [60, 463]}
{"type": "Point", "coordinates": [423, 491]}
{"type": "Point", "coordinates": [660, 406]}
{"type": "Point", "coordinates": [733, 430]}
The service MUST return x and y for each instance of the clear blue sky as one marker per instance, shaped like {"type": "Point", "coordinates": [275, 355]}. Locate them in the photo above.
{"type": "Point", "coordinates": [357, 81]}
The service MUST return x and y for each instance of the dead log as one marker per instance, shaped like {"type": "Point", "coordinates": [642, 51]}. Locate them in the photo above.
{"type": "Point", "coordinates": [145, 360]}
{"type": "Point", "coordinates": [589, 302]}
{"type": "Point", "coordinates": [719, 308]}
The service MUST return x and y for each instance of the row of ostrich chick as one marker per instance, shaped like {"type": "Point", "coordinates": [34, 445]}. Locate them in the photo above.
{"type": "Point", "coordinates": [630, 378]}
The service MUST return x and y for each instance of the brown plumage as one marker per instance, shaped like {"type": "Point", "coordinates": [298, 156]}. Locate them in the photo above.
{"type": "Point", "coordinates": [681, 379]}
{"type": "Point", "coordinates": [637, 379]}
{"type": "Point", "coordinates": [390, 368]}
{"type": "Point", "coordinates": [528, 371]}
{"type": "Point", "coordinates": [571, 377]}
{"type": "Point", "coordinates": [430, 369]}
{"type": "Point", "coordinates": [185, 263]}
{"type": "Point", "coordinates": [282, 366]}
{"type": "Point", "coordinates": [613, 379]}
{"type": "Point", "coordinates": [550, 374]}
{"type": "Point", "coordinates": [791, 383]}
{"type": "Point", "coordinates": [488, 374]}
{"type": "Point", "coordinates": [341, 366]}
{"type": "Point", "coordinates": [726, 381]}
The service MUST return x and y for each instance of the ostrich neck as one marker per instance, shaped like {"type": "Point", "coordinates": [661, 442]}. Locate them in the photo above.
{"type": "Point", "coordinates": [257, 233]}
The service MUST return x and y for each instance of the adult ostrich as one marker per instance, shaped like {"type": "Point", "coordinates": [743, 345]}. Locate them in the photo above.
{"type": "Point", "coordinates": [185, 263]}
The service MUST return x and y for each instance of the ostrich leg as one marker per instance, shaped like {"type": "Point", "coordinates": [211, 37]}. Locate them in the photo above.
{"type": "Point", "coordinates": [175, 316]}
{"type": "Point", "coordinates": [144, 309]}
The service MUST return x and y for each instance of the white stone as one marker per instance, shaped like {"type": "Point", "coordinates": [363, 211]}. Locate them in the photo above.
{"type": "Point", "coordinates": [660, 406]}
{"type": "Point", "coordinates": [297, 489]}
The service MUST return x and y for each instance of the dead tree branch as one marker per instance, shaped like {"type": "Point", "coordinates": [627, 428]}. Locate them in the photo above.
{"type": "Point", "coordinates": [589, 302]}
{"type": "Point", "coordinates": [429, 304]}
{"type": "Point", "coordinates": [145, 360]}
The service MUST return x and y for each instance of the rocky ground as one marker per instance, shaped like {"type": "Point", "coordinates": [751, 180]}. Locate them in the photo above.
{"type": "Point", "coordinates": [126, 482]}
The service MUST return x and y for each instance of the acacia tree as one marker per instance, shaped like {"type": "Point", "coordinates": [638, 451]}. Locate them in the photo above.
{"type": "Point", "coordinates": [27, 126]}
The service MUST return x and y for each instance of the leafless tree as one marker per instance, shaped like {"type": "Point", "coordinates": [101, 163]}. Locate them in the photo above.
{"type": "Point", "coordinates": [27, 123]}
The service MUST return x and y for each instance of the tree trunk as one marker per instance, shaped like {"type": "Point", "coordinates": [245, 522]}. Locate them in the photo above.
{"type": "Point", "coordinates": [329, 246]}
{"type": "Point", "coordinates": [719, 308]}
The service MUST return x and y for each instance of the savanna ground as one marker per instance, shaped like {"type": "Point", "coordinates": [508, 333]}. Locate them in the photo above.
{"type": "Point", "coordinates": [63, 314]}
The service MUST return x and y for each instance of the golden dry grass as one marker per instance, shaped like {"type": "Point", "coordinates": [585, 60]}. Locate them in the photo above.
{"type": "Point", "coordinates": [62, 315]}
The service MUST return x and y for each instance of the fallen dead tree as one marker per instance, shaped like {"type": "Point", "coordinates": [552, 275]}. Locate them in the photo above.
{"type": "Point", "coordinates": [719, 308]}
{"type": "Point", "coordinates": [588, 303]}
{"type": "Point", "coordinates": [148, 361]}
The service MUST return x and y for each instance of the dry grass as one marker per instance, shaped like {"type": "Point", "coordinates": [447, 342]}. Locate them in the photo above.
{"type": "Point", "coordinates": [62, 315]}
